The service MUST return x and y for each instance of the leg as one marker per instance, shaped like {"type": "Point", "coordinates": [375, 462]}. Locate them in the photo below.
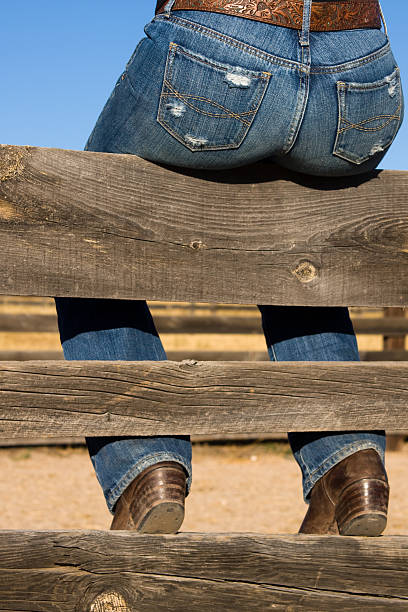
{"type": "Point", "coordinates": [317, 334]}
{"type": "Point", "coordinates": [106, 329]}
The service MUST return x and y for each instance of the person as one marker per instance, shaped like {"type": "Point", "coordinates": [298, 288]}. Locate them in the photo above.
{"type": "Point", "coordinates": [216, 84]}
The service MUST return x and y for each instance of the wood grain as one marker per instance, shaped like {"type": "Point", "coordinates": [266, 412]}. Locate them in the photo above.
{"type": "Point", "coordinates": [58, 570]}
{"type": "Point", "coordinates": [95, 398]}
{"type": "Point", "coordinates": [87, 224]}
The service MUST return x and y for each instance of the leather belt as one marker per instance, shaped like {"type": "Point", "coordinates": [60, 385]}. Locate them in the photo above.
{"type": "Point", "coordinates": [326, 16]}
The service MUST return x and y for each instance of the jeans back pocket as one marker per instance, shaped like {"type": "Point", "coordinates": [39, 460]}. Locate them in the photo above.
{"type": "Point", "coordinates": [207, 105]}
{"type": "Point", "coordinates": [370, 115]}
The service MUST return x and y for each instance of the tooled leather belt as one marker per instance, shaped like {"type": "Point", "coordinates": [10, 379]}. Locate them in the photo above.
{"type": "Point", "coordinates": [326, 16]}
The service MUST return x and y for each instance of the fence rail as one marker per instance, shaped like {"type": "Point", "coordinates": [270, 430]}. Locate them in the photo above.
{"type": "Point", "coordinates": [82, 570]}
{"type": "Point", "coordinates": [167, 398]}
{"type": "Point", "coordinates": [90, 224]}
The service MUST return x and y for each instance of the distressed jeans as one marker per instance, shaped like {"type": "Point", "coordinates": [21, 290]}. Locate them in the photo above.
{"type": "Point", "coordinates": [212, 91]}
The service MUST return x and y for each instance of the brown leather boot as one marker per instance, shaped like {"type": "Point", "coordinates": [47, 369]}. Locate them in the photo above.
{"type": "Point", "coordinates": [154, 500]}
{"type": "Point", "coordinates": [351, 498]}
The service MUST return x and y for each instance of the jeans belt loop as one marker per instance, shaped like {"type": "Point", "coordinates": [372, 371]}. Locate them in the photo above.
{"type": "Point", "coordinates": [307, 16]}
{"type": "Point", "coordinates": [167, 7]}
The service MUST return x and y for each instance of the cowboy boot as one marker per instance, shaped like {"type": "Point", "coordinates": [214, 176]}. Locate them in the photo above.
{"type": "Point", "coordinates": [154, 500]}
{"type": "Point", "coordinates": [351, 498]}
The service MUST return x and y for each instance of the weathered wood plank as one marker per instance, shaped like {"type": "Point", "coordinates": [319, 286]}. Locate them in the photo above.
{"type": "Point", "coordinates": [395, 442]}
{"type": "Point", "coordinates": [28, 322]}
{"type": "Point", "coordinates": [201, 355]}
{"type": "Point", "coordinates": [79, 441]}
{"type": "Point", "coordinates": [57, 570]}
{"type": "Point", "coordinates": [392, 327]}
{"type": "Point", "coordinates": [31, 355]}
{"type": "Point", "coordinates": [106, 225]}
{"type": "Point", "coordinates": [71, 591]}
{"type": "Point", "coordinates": [199, 324]}
{"type": "Point", "coordinates": [188, 307]}
{"type": "Point", "coordinates": [166, 397]}
{"type": "Point", "coordinates": [383, 355]}
{"type": "Point", "coordinates": [66, 441]}
{"type": "Point", "coordinates": [198, 355]}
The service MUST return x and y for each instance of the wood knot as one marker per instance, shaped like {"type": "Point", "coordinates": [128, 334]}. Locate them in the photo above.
{"type": "Point", "coordinates": [196, 244]}
{"type": "Point", "coordinates": [305, 271]}
{"type": "Point", "coordinates": [109, 602]}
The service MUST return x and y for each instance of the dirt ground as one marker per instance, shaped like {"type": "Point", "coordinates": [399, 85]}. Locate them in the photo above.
{"type": "Point", "coordinates": [251, 487]}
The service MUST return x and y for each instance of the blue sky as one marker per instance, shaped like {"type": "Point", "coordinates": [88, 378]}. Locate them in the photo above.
{"type": "Point", "coordinates": [60, 60]}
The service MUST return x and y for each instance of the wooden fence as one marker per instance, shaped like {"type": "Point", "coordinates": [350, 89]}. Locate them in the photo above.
{"type": "Point", "coordinates": [101, 225]}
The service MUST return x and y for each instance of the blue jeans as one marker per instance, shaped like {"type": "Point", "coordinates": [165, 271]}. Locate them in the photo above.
{"type": "Point", "coordinates": [213, 91]}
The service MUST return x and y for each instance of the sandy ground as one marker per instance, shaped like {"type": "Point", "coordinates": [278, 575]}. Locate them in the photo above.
{"type": "Point", "coordinates": [253, 487]}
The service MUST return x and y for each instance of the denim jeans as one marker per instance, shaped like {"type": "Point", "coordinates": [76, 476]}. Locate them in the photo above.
{"type": "Point", "coordinates": [212, 91]}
